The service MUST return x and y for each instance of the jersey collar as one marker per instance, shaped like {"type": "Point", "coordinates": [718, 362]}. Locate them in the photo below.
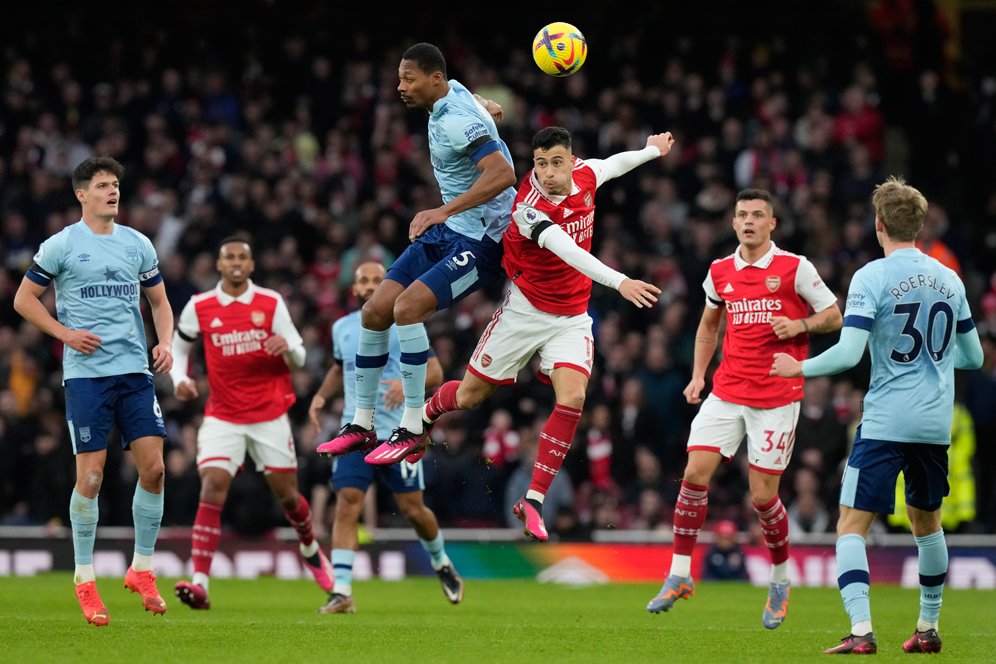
{"type": "Point", "coordinates": [225, 299]}
{"type": "Point", "coordinates": [763, 262]}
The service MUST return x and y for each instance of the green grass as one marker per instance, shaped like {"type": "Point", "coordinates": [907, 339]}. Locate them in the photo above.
{"type": "Point", "coordinates": [499, 621]}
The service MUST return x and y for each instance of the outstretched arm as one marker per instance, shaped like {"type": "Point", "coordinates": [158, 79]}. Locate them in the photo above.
{"type": "Point", "coordinates": [841, 356]}
{"type": "Point", "coordinates": [534, 224]}
{"type": "Point", "coordinates": [658, 145]}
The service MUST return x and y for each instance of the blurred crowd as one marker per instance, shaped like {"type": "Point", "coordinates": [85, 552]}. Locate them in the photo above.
{"type": "Point", "coordinates": [287, 125]}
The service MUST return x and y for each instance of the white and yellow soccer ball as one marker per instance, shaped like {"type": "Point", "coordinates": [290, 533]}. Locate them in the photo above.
{"type": "Point", "coordinates": [559, 49]}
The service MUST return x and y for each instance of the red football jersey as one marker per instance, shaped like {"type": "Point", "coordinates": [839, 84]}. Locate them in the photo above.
{"type": "Point", "coordinates": [247, 384]}
{"type": "Point", "coordinates": [779, 284]}
{"type": "Point", "coordinates": [550, 284]}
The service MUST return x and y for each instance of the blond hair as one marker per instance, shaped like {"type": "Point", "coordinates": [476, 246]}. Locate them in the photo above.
{"type": "Point", "coordinates": [901, 209]}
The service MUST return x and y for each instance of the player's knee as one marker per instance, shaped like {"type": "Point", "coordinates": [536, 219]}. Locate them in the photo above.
{"type": "Point", "coordinates": [375, 318]}
{"type": "Point", "coordinates": [412, 510]}
{"type": "Point", "coordinates": [152, 474]}
{"type": "Point", "coordinates": [91, 479]}
{"type": "Point", "coordinates": [573, 399]}
{"type": "Point", "coordinates": [409, 309]}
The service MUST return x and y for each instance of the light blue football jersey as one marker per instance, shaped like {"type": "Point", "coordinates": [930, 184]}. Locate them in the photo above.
{"type": "Point", "coordinates": [345, 339]}
{"type": "Point", "coordinates": [912, 307]}
{"type": "Point", "coordinates": [456, 121]}
{"type": "Point", "coordinates": [98, 280]}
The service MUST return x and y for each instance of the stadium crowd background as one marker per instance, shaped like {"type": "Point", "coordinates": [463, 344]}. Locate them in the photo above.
{"type": "Point", "coordinates": [284, 123]}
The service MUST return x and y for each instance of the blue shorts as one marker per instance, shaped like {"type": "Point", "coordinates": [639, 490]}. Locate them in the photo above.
{"type": "Point", "coordinates": [869, 482]}
{"type": "Point", "coordinates": [451, 264]}
{"type": "Point", "coordinates": [350, 471]}
{"type": "Point", "coordinates": [95, 405]}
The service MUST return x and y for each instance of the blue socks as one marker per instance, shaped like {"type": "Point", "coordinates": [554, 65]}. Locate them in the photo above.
{"type": "Point", "coordinates": [83, 515]}
{"type": "Point", "coordinates": [436, 549]}
{"type": "Point", "coordinates": [853, 578]}
{"type": "Point", "coordinates": [933, 564]}
{"type": "Point", "coordinates": [414, 344]}
{"type": "Point", "coordinates": [342, 564]}
{"type": "Point", "coordinates": [371, 358]}
{"type": "Point", "coordinates": [147, 511]}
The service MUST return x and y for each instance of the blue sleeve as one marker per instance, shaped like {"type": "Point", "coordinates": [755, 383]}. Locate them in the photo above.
{"type": "Point", "coordinates": [467, 134]}
{"type": "Point", "coordinates": [48, 261]}
{"type": "Point", "coordinates": [336, 344]}
{"type": "Point", "coordinates": [968, 348]}
{"type": "Point", "coordinates": [149, 274]}
{"type": "Point", "coordinates": [841, 356]}
{"type": "Point", "coordinates": [862, 300]}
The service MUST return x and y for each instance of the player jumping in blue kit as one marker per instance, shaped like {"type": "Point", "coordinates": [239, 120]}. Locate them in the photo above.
{"type": "Point", "coordinates": [912, 313]}
{"type": "Point", "coordinates": [99, 269]}
{"type": "Point", "coordinates": [455, 250]}
{"type": "Point", "coordinates": [352, 476]}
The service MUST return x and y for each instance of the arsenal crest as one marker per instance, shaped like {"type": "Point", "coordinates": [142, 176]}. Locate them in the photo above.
{"type": "Point", "coordinates": [258, 318]}
{"type": "Point", "coordinates": [485, 360]}
{"type": "Point", "coordinates": [587, 199]}
{"type": "Point", "coordinates": [773, 282]}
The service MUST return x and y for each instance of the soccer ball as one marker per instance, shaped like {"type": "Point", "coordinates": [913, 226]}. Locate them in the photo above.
{"type": "Point", "coordinates": [559, 49]}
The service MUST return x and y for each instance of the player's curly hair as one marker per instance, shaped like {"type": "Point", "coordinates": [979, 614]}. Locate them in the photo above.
{"type": "Point", "coordinates": [428, 58]}
{"type": "Point", "coordinates": [901, 208]}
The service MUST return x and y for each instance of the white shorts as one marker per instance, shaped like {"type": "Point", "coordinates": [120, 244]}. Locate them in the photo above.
{"type": "Point", "coordinates": [720, 426]}
{"type": "Point", "coordinates": [222, 444]}
{"type": "Point", "coordinates": [518, 330]}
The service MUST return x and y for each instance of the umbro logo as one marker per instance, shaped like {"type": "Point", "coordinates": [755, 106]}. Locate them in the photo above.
{"type": "Point", "coordinates": [84, 258]}
{"type": "Point", "coordinates": [729, 288]}
{"type": "Point", "coordinates": [217, 323]}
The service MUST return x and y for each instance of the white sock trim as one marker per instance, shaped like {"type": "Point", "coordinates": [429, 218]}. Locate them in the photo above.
{"type": "Point", "coordinates": [681, 565]}
{"type": "Point", "coordinates": [861, 628]}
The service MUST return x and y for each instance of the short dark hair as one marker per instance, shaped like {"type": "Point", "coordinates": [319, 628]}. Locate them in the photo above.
{"type": "Point", "coordinates": [755, 195]}
{"type": "Point", "coordinates": [241, 239]}
{"type": "Point", "coordinates": [428, 58]}
{"type": "Point", "coordinates": [550, 137]}
{"type": "Point", "coordinates": [93, 165]}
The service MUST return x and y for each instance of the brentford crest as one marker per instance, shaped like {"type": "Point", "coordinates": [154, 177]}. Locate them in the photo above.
{"type": "Point", "coordinates": [258, 318]}
{"type": "Point", "coordinates": [773, 282]}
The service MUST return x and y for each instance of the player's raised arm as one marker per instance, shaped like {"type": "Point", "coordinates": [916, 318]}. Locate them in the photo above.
{"type": "Point", "coordinates": [536, 225]}
{"type": "Point", "coordinates": [658, 145]}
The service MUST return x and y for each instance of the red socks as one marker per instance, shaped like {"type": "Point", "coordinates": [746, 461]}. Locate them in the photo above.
{"type": "Point", "coordinates": [775, 526]}
{"type": "Point", "coordinates": [443, 401]}
{"type": "Point", "coordinates": [554, 443]}
{"type": "Point", "coordinates": [205, 536]}
{"type": "Point", "coordinates": [689, 516]}
{"type": "Point", "coordinates": [300, 519]}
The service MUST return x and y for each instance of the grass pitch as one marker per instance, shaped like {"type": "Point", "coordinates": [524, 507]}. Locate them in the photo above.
{"type": "Point", "coordinates": [269, 620]}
